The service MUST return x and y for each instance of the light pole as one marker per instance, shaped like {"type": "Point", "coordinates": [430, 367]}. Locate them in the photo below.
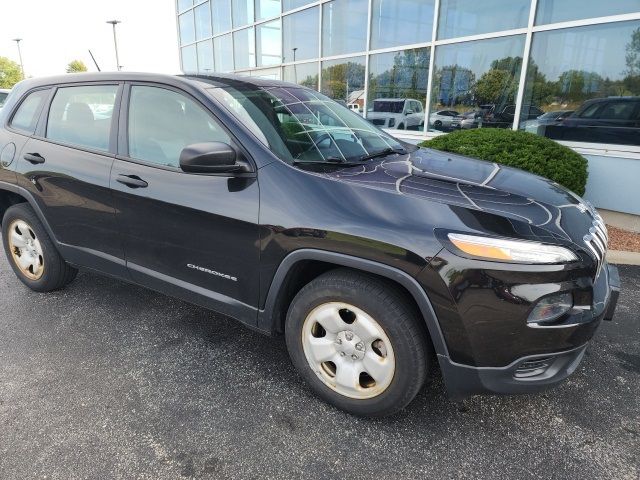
{"type": "Point", "coordinates": [115, 41]}
{"type": "Point", "coordinates": [295, 72]}
{"type": "Point", "coordinates": [18, 40]}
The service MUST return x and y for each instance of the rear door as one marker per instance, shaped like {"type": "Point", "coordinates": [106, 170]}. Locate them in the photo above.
{"type": "Point", "coordinates": [191, 235]}
{"type": "Point", "coordinates": [66, 166]}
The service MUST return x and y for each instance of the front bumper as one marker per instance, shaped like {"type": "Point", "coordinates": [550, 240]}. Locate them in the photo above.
{"type": "Point", "coordinates": [535, 372]}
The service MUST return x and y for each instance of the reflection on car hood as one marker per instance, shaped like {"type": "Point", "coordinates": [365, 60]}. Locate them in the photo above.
{"type": "Point", "coordinates": [477, 185]}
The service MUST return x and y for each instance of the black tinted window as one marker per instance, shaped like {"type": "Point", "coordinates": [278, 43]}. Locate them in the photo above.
{"type": "Point", "coordinates": [162, 122]}
{"type": "Point", "coordinates": [26, 117]}
{"type": "Point", "coordinates": [82, 115]}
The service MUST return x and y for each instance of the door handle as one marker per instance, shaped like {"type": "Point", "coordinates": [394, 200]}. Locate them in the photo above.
{"type": "Point", "coordinates": [132, 181]}
{"type": "Point", "coordinates": [34, 158]}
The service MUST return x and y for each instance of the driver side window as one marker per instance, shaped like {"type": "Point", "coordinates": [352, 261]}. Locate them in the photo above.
{"type": "Point", "coordinates": [163, 122]}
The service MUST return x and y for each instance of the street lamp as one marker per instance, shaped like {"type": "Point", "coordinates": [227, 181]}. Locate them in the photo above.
{"type": "Point", "coordinates": [295, 72]}
{"type": "Point", "coordinates": [18, 40]}
{"type": "Point", "coordinates": [115, 41]}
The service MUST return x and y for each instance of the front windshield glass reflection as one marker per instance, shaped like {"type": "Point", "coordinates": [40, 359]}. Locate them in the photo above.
{"type": "Point", "coordinates": [301, 125]}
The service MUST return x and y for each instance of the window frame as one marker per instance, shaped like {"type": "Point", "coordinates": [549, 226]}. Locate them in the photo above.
{"type": "Point", "coordinates": [123, 132]}
{"type": "Point", "coordinates": [43, 125]}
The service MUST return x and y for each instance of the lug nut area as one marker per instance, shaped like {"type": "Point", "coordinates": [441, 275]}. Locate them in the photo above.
{"type": "Point", "coordinates": [348, 344]}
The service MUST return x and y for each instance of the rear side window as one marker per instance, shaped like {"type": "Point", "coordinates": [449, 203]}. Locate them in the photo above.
{"type": "Point", "coordinates": [82, 116]}
{"type": "Point", "coordinates": [26, 117]}
{"type": "Point", "coordinates": [162, 122]}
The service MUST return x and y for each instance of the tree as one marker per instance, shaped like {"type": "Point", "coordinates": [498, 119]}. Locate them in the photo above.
{"type": "Point", "coordinates": [633, 54]}
{"type": "Point", "coordinates": [496, 86]}
{"type": "Point", "coordinates": [10, 73]}
{"type": "Point", "coordinates": [76, 66]}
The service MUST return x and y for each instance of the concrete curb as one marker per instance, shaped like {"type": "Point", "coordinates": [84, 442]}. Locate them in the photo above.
{"type": "Point", "coordinates": [623, 258]}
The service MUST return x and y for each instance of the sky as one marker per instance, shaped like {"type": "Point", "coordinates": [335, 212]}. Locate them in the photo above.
{"type": "Point", "coordinates": [55, 32]}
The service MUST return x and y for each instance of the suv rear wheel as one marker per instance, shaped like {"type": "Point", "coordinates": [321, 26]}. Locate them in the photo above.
{"type": "Point", "coordinates": [358, 342]}
{"type": "Point", "coordinates": [31, 253]}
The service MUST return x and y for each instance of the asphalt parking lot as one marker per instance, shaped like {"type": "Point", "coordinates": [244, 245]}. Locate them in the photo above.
{"type": "Point", "coordinates": [108, 380]}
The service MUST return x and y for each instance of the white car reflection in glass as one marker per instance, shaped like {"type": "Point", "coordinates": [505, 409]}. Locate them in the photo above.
{"type": "Point", "coordinates": [397, 113]}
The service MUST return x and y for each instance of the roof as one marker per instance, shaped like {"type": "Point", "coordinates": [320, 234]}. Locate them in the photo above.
{"type": "Point", "coordinates": [216, 80]}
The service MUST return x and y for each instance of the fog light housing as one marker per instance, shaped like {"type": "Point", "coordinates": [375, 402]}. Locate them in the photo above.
{"type": "Point", "coordinates": [551, 308]}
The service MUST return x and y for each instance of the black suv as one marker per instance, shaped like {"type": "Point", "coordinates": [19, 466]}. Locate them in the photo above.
{"type": "Point", "coordinates": [273, 204]}
{"type": "Point", "coordinates": [614, 120]}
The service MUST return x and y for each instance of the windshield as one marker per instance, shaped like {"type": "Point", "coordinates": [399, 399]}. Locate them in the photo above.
{"type": "Point", "coordinates": [388, 106]}
{"type": "Point", "coordinates": [301, 125]}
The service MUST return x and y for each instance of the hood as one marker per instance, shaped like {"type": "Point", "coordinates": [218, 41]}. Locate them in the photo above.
{"type": "Point", "coordinates": [470, 184]}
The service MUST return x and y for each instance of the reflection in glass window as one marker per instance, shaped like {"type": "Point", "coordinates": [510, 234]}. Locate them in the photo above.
{"type": "Point", "coordinates": [553, 11]}
{"type": "Point", "coordinates": [343, 81]}
{"type": "Point", "coordinates": [291, 4]}
{"type": "Point", "coordinates": [269, 43]}
{"type": "Point", "coordinates": [244, 52]}
{"type": "Point", "coordinates": [163, 122]}
{"type": "Point", "coordinates": [184, 4]}
{"type": "Point", "coordinates": [187, 28]}
{"type": "Point", "coordinates": [459, 18]}
{"type": "Point", "coordinates": [82, 116]}
{"type": "Point", "coordinates": [300, 31]}
{"type": "Point", "coordinates": [267, 9]}
{"type": "Point", "coordinates": [26, 117]}
{"type": "Point", "coordinates": [304, 126]}
{"type": "Point", "coordinates": [401, 22]}
{"type": "Point", "coordinates": [189, 59]}
{"type": "Point", "coordinates": [205, 57]}
{"type": "Point", "coordinates": [221, 15]}
{"type": "Point", "coordinates": [203, 21]}
{"type": "Point", "coordinates": [305, 74]}
{"type": "Point", "coordinates": [592, 75]}
{"type": "Point", "coordinates": [223, 53]}
{"type": "Point", "coordinates": [398, 89]}
{"type": "Point", "coordinates": [242, 12]}
{"type": "Point", "coordinates": [344, 28]}
{"type": "Point", "coordinates": [479, 80]}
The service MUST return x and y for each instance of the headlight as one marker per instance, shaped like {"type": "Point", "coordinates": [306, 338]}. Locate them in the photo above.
{"type": "Point", "coordinates": [551, 308]}
{"type": "Point", "coordinates": [504, 250]}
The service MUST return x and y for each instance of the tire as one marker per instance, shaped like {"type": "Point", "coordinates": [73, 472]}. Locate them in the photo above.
{"type": "Point", "coordinates": [333, 344]}
{"type": "Point", "coordinates": [24, 236]}
{"type": "Point", "coordinates": [401, 126]}
{"type": "Point", "coordinates": [437, 124]}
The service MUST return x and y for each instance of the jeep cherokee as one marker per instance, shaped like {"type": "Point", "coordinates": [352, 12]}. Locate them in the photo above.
{"type": "Point", "coordinates": [275, 205]}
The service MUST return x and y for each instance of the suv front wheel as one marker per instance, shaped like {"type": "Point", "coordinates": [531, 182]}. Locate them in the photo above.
{"type": "Point", "coordinates": [31, 253]}
{"type": "Point", "coordinates": [358, 342]}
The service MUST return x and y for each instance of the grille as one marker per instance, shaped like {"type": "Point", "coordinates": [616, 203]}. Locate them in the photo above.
{"type": "Point", "coordinates": [597, 239]}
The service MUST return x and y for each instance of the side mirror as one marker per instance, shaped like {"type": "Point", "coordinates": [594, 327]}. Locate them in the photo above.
{"type": "Point", "coordinates": [409, 112]}
{"type": "Point", "coordinates": [211, 157]}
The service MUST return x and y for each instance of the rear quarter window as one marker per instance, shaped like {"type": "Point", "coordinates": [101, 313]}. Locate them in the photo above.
{"type": "Point", "coordinates": [27, 114]}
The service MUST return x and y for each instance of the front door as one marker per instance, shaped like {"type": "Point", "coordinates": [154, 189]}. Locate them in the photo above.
{"type": "Point", "coordinates": [193, 236]}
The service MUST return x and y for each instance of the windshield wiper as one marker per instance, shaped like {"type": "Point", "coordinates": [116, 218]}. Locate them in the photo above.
{"type": "Point", "coordinates": [383, 153]}
{"type": "Point", "coordinates": [328, 161]}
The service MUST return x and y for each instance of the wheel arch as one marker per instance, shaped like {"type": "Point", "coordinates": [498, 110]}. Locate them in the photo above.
{"type": "Point", "coordinates": [11, 194]}
{"type": "Point", "coordinates": [301, 266]}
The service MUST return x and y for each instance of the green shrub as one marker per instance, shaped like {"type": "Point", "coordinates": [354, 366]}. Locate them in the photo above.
{"type": "Point", "coordinates": [517, 149]}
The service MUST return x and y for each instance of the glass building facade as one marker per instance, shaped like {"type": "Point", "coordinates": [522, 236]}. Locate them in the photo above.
{"type": "Point", "coordinates": [566, 69]}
